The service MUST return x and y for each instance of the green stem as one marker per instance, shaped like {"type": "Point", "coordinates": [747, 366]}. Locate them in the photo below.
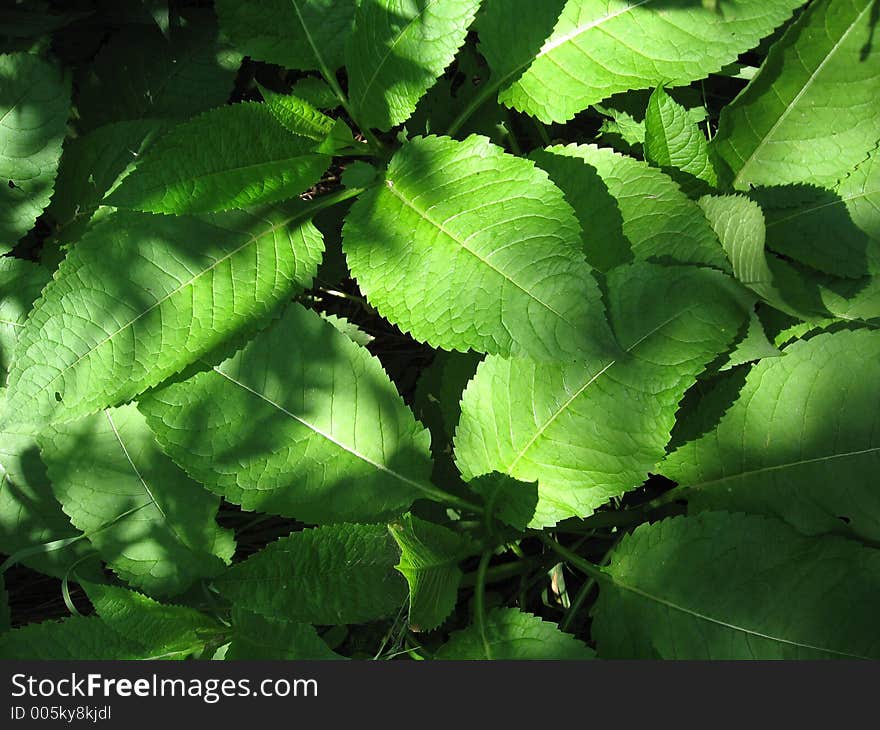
{"type": "Point", "coordinates": [488, 90]}
{"type": "Point", "coordinates": [331, 80]}
{"type": "Point", "coordinates": [499, 573]}
{"type": "Point", "coordinates": [585, 566]}
{"type": "Point", "coordinates": [585, 591]}
{"type": "Point", "coordinates": [480, 601]}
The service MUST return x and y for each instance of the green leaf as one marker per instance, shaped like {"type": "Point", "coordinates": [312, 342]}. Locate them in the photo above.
{"type": "Point", "coordinates": [302, 422]}
{"type": "Point", "coordinates": [298, 116]}
{"type": "Point", "coordinates": [753, 345]}
{"type": "Point", "coordinates": [149, 295]}
{"type": "Point", "coordinates": [514, 635]}
{"type": "Point", "coordinates": [722, 586]}
{"type": "Point", "coordinates": [33, 526]}
{"type": "Point", "coordinates": [336, 574]}
{"type": "Point", "coordinates": [20, 283]}
{"type": "Point", "coordinates": [76, 637]}
{"type": "Point", "coordinates": [799, 292]}
{"type": "Point", "coordinates": [169, 631]}
{"type": "Point", "coordinates": [141, 74]}
{"type": "Point", "coordinates": [94, 163]}
{"type": "Point", "coordinates": [589, 55]}
{"type": "Point", "coordinates": [837, 231]}
{"type": "Point", "coordinates": [466, 247]}
{"type": "Point", "coordinates": [739, 224]}
{"type": "Point", "coordinates": [397, 51]}
{"type": "Point", "coordinates": [256, 637]}
{"type": "Point", "coordinates": [549, 422]}
{"type": "Point", "coordinates": [296, 34]}
{"type": "Point", "coordinates": [506, 499]}
{"type": "Point", "coordinates": [316, 92]}
{"type": "Point", "coordinates": [629, 210]}
{"type": "Point", "coordinates": [34, 105]}
{"type": "Point", "coordinates": [787, 125]}
{"type": "Point", "coordinates": [153, 525]}
{"type": "Point", "coordinates": [799, 441]}
{"type": "Point", "coordinates": [674, 143]}
{"type": "Point", "coordinates": [230, 157]}
{"type": "Point", "coordinates": [429, 557]}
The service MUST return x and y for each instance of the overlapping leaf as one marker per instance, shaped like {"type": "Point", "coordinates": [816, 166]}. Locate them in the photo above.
{"type": "Point", "coordinates": [231, 157]}
{"type": "Point", "coordinates": [301, 422]}
{"type": "Point", "coordinates": [34, 106]}
{"type": "Point", "coordinates": [20, 284]}
{"type": "Point", "coordinates": [722, 586]}
{"type": "Point", "coordinates": [514, 635]}
{"type": "Point", "coordinates": [675, 144]}
{"type": "Point", "coordinates": [629, 210]}
{"type": "Point", "coordinates": [142, 296]}
{"type": "Point", "coordinates": [172, 631]}
{"type": "Point", "coordinates": [548, 422]}
{"type": "Point", "coordinates": [788, 125]}
{"type": "Point", "coordinates": [76, 637]}
{"type": "Point", "coordinates": [467, 247]}
{"type": "Point", "coordinates": [141, 74]}
{"type": "Point", "coordinates": [590, 54]}
{"type": "Point", "coordinates": [397, 51]}
{"type": "Point", "coordinates": [256, 637]}
{"type": "Point", "coordinates": [429, 556]}
{"type": "Point", "coordinates": [153, 525]}
{"type": "Point", "coordinates": [798, 441]}
{"type": "Point", "coordinates": [835, 231]}
{"type": "Point", "coordinates": [336, 574]}
{"type": "Point", "coordinates": [297, 34]}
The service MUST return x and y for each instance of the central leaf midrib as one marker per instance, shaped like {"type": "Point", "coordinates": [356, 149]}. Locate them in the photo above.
{"type": "Point", "coordinates": [390, 49]}
{"type": "Point", "coordinates": [163, 299]}
{"type": "Point", "coordinates": [590, 381]}
{"type": "Point", "coordinates": [779, 467]}
{"type": "Point", "coordinates": [718, 622]}
{"type": "Point", "coordinates": [323, 434]}
{"type": "Point", "coordinates": [794, 102]}
{"type": "Point", "coordinates": [449, 234]}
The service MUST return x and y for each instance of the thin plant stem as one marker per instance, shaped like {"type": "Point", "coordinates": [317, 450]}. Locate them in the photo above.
{"type": "Point", "coordinates": [480, 601]}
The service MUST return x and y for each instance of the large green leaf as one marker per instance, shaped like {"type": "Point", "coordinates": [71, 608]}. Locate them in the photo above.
{"type": "Point", "coordinates": [256, 637]}
{"type": "Point", "coordinates": [722, 586]}
{"type": "Point", "coordinates": [141, 296]}
{"type": "Point", "coordinates": [34, 105]}
{"type": "Point", "coordinates": [513, 634]}
{"type": "Point", "coordinates": [801, 439]}
{"type": "Point", "coordinates": [297, 34]}
{"type": "Point", "coordinates": [810, 115]}
{"type": "Point", "coordinates": [302, 422]}
{"type": "Point", "coordinates": [336, 574]}
{"type": "Point", "coordinates": [549, 422]}
{"type": "Point", "coordinates": [141, 74]}
{"type": "Point", "coordinates": [656, 218]}
{"type": "Point", "coordinates": [153, 525]}
{"type": "Point", "coordinates": [429, 557]}
{"type": "Point", "coordinates": [674, 143]}
{"type": "Point", "coordinates": [590, 54]}
{"type": "Point", "coordinates": [231, 157]}
{"type": "Point", "coordinates": [397, 51]}
{"type": "Point", "coordinates": [467, 247]}
{"type": "Point", "coordinates": [172, 631]}
{"type": "Point", "coordinates": [76, 637]}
